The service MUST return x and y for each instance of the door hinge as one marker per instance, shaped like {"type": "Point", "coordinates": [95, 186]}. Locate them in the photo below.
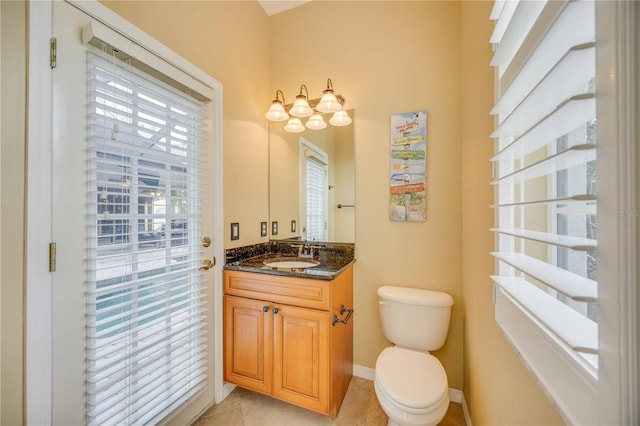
{"type": "Point", "coordinates": [52, 257]}
{"type": "Point", "coordinates": [53, 52]}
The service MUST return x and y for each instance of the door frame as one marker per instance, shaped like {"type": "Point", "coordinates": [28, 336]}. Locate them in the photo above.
{"type": "Point", "coordinates": [38, 279]}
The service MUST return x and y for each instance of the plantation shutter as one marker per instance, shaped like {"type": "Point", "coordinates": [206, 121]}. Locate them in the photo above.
{"type": "Point", "coordinates": [145, 351]}
{"type": "Point", "coordinates": [545, 195]}
{"type": "Point", "coordinates": [316, 199]}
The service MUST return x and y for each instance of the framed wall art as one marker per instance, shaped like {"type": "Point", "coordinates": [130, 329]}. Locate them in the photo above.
{"type": "Point", "coordinates": [408, 167]}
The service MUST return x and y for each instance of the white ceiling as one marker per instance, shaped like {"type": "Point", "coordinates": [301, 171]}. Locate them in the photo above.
{"type": "Point", "coordinates": [276, 6]}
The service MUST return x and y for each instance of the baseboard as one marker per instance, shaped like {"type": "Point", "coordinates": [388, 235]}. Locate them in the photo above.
{"type": "Point", "coordinates": [465, 410]}
{"type": "Point", "coordinates": [227, 388]}
{"type": "Point", "coordinates": [455, 395]}
{"type": "Point", "coordinates": [364, 372]}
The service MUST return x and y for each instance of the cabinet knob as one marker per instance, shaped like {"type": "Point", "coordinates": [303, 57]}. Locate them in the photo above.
{"type": "Point", "coordinates": [275, 310]}
{"type": "Point", "coordinates": [265, 308]}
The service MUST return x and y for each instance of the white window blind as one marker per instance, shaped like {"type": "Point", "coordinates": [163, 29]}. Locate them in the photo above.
{"type": "Point", "coordinates": [314, 170]}
{"type": "Point", "coordinates": [145, 343]}
{"type": "Point", "coordinates": [545, 192]}
{"type": "Point", "coordinates": [316, 199]}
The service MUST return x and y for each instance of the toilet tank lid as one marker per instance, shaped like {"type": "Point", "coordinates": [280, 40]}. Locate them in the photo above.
{"type": "Point", "coordinates": [415, 296]}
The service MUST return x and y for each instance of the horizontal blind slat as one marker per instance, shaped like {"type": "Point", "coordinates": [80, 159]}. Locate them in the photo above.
{"type": "Point", "coordinates": [158, 413]}
{"type": "Point", "coordinates": [577, 331]}
{"type": "Point", "coordinates": [523, 18]}
{"type": "Point", "coordinates": [574, 243]}
{"type": "Point", "coordinates": [133, 100]}
{"type": "Point", "coordinates": [162, 390]}
{"type": "Point", "coordinates": [130, 78]}
{"type": "Point", "coordinates": [113, 389]}
{"type": "Point", "coordinates": [572, 198]}
{"type": "Point", "coordinates": [110, 135]}
{"type": "Point", "coordinates": [114, 386]}
{"type": "Point", "coordinates": [566, 117]}
{"type": "Point", "coordinates": [571, 157]}
{"type": "Point", "coordinates": [151, 322]}
{"type": "Point", "coordinates": [574, 25]}
{"type": "Point", "coordinates": [562, 84]}
{"type": "Point", "coordinates": [498, 5]}
{"type": "Point", "coordinates": [571, 284]}
{"type": "Point", "coordinates": [506, 13]}
{"type": "Point", "coordinates": [118, 369]}
{"type": "Point", "coordinates": [119, 313]}
{"type": "Point", "coordinates": [111, 292]}
{"type": "Point", "coordinates": [562, 81]}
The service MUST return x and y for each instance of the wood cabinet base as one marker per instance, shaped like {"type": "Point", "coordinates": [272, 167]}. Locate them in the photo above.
{"type": "Point", "coordinates": [291, 351]}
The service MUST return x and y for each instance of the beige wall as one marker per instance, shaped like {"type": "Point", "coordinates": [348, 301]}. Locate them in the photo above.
{"type": "Point", "coordinates": [229, 41]}
{"type": "Point", "coordinates": [386, 58]}
{"type": "Point", "coordinates": [12, 169]}
{"type": "Point", "coordinates": [497, 387]}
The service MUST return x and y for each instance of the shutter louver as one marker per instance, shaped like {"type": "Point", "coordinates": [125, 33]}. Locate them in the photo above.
{"type": "Point", "coordinates": [545, 187]}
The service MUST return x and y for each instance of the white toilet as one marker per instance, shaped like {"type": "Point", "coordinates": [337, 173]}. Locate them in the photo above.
{"type": "Point", "coordinates": [411, 385]}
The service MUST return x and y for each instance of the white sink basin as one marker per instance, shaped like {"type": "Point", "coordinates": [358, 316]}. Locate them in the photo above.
{"type": "Point", "coordinates": [291, 263]}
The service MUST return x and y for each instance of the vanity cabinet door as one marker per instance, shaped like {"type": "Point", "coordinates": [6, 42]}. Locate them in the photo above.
{"type": "Point", "coordinates": [301, 357]}
{"type": "Point", "coordinates": [248, 343]}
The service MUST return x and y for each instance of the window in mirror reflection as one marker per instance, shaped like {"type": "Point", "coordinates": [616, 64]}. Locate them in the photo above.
{"type": "Point", "coordinates": [314, 186]}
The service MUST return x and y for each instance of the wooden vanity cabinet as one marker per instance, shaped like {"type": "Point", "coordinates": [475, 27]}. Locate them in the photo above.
{"type": "Point", "coordinates": [279, 338]}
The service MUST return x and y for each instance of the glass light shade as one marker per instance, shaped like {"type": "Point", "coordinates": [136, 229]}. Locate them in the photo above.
{"type": "Point", "coordinates": [316, 122]}
{"type": "Point", "coordinates": [294, 126]}
{"type": "Point", "coordinates": [276, 112]}
{"type": "Point", "coordinates": [340, 118]}
{"type": "Point", "coordinates": [329, 103]}
{"type": "Point", "coordinates": [301, 108]}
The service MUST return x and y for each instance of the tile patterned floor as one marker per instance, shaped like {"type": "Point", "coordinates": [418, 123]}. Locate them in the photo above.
{"type": "Point", "coordinates": [360, 407]}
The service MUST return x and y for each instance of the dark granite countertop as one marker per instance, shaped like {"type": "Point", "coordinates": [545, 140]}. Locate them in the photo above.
{"type": "Point", "coordinates": [333, 259]}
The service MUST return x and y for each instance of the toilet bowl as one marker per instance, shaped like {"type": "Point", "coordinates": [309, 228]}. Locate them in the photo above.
{"type": "Point", "coordinates": [410, 383]}
{"type": "Point", "coordinates": [411, 387]}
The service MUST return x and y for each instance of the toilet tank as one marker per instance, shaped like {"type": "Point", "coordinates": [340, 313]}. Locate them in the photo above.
{"type": "Point", "coordinates": [414, 318]}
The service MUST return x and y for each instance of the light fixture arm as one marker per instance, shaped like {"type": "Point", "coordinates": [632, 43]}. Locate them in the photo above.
{"type": "Point", "coordinates": [301, 96]}
{"type": "Point", "coordinates": [329, 88]}
{"type": "Point", "coordinates": [277, 99]}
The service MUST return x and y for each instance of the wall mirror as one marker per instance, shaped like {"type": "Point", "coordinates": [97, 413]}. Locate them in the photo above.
{"type": "Point", "coordinates": [311, 183]}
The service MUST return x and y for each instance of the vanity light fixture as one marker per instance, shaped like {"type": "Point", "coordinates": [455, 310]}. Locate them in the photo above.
{"type": "Point", "coordinates": [340, 118]}
{"type": "Point", "coordinates": [305, 107]}
{"type": "Point", "coordinates": [277, 112]}
{"type": "Point", "coordinates": [329, 102]}
{"type": "Point", "coordinates": [315, 122]}
{"type": "Point", "coordinates": [301, 107]}
{"type": "Point", "coordinates": [294, 126]}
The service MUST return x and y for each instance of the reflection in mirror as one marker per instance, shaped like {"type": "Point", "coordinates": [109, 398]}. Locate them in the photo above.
{"type": "Point", "coordinates": [311, 174]}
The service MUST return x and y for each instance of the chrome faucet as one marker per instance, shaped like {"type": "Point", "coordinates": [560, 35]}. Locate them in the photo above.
{"type": "Point", "coordinates": [305, 251]}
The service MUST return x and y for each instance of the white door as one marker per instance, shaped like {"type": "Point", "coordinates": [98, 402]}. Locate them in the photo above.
{"type": "Point", "coordinates": [131, 205]}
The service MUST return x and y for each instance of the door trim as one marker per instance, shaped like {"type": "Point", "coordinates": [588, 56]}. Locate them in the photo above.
{"type": "Point", "coordinates": [38, 294]}
{"type": "Point", "coordinates": [38, 279]}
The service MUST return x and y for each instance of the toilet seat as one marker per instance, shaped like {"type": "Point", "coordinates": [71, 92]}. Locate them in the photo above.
{"type": "Point", "coordinates": [415, 382]}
